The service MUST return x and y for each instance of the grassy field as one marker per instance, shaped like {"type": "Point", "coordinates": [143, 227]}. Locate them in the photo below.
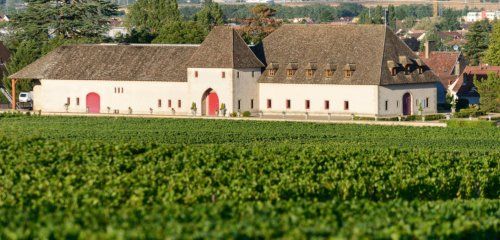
{"type": "Point", "coordinates": [108, 178]}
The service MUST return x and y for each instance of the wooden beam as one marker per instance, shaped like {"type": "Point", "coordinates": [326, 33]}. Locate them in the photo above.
{"type": "Point", "coordinates": [13, 90]}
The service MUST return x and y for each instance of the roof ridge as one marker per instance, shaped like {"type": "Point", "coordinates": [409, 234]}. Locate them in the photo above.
{"type": "Point", "coordinates": [383, 57]}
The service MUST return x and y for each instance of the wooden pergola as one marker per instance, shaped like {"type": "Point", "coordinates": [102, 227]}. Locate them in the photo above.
{"type": "Point", "coordinates": [13, 93]}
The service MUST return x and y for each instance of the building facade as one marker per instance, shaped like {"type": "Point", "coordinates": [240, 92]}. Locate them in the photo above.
{"type": "Point", "coordinates": [298, 69]}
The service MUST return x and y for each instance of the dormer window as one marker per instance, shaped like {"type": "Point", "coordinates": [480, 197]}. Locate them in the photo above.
{"type": "Point", "coordinates": [420, 65]}
{"type": "Point", "coordinates": [310, 69]}
{"type": "Point", "coordinates": [271, 72]}
{"type": "Point", "coordinates": [271, 69]}
{"type": "Point", "coordinates": [349, 70]}
{"type": "Point", "coordinates": [406, 63]}
{"type": "Point", "coordinates": [330, 69]}
{"type": "Point", "coordinates": [291, 68]}
{"type": "Point", "coordinates": [309, 73]}
{"type": "Point", "coordinates": [393, 67]}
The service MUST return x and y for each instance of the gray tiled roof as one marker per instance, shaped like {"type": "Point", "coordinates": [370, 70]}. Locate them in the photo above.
{"type": "Point", "coordinates": [366, 49]}
{"type": "Point", "coordinates": [224, 48]}
{"type": "Point", "coordinates": [112, 62]}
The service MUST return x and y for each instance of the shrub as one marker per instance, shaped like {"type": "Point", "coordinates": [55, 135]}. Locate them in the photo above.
{"type": "Point", "coordinates": [434, 117]}
{"type": "Point", "coordinates": [465, 113]}
{"type": "Point", "coordinates": [246, 114]}
{"type": "Point", "coordinates": [233, 114]}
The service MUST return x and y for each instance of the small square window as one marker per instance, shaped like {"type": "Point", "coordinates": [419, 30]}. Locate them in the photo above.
{"type": "Point", "coordinates": [288, 104]}
{"type": "Point", "coordinates": [68, 101]}
{"type": "Point", "coordinates": [308, 104]}
{"type": "Point", "coordinates": [159, 103]}
{"type": "Point", "coordinates": [386, 105]}
{"type": "Point", "coordinates": [169, 103]}
{"type": "Point", "coordinates": [348, 73]}
{"type": "Point", "coordinates": [239, 104]}
{"type": "Point", "coordinates": [251, 103]}
{"type": "Point", "coordinates": [327, 105]}
{"type": "Point", "coordinates": [77, 101]}
{"type": "Point", "coordinates": [271, 72]}
{"type": "Point", "coordinates": [328, 73]}
{"type": "Point", "coordinates": [195, 74]}
{"type": "Point", "coordinates": [290, 72]}
{"type": "Point", "coordinates": [426, 102]}
{"type": "Point", "coordinates": [237, 74]}
{"type": "Point", "coordinates": [309, 73]}
{"type": "Point", "coordinates": [122, 90]}
{"type": "Point", "coordinates": [253, 74]}
{"type": "Point", "coordinates": [223, 75]}
{"type": "Point", "coordinates": [346, 105]}
{"type": "Point", "coordinates": [269, 103]}
{"type": "Point", "coordinates": [179, 103]}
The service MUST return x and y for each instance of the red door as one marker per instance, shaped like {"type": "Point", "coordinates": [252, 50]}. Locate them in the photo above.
{"type": "Point", "coordinates": [407, 104]}
{"type": "Point", "coordinates": [93, 103]}
{"type": "Point", "coordinates": [213, 104]}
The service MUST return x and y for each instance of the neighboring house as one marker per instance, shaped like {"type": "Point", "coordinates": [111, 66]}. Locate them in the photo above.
{"type": "Point", "coordinates": [463, 87]}
{"type": "Point", "coordinates": [448, 66]}
{"type": "Point", "coordinates": [478, 16]}
{"type": "Point", "coordinates": [319, 69]}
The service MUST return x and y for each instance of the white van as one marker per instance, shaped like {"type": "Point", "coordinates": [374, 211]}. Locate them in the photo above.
{"type": "Point", "coordinates": [25, 97]}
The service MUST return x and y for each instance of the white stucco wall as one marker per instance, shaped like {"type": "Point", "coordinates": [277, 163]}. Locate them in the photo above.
{"type": "Point", "coordinates": [362, 98]}
{"type": "Point", "coordinates": [140, 96]}
{"type": "Point", "coordinates": [419, 93]}
{"type": "Point", "coordinates": [210, 78]}
{"type": "Point", "coordinates": [246, 89]}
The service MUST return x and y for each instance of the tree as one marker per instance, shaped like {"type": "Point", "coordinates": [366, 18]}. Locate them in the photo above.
{"type": "Point", "coordinates": [392, 17]}
{"type": "Point", "coordinates": [151, 15]}
{"type": "Point", "coordinates": [44, 19]}
{"type": "Point", "coordinates": [492, 55]}
{"type": "Point", "coordinates": [182, 32]}
{"type": "Point", "coordinates": [378, 15]}
{"type": "Point", "coordinates": [210, 15]}
{"type": "Point", "coordinates": [261, 25]}
{"type": "Point", "coordinates": [489, 92]}
{"type": "Point", "coordinates": [477, 41]}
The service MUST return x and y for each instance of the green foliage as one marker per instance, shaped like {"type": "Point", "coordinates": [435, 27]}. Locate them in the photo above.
{"type": "Point", "coordinates": [210, 15]}
{"type": "Point", "coordinates": [492, 56]}
{"type": "Point", "coordinates": [469, 112]}
{"type": "Point", "coordinates": [247, 114]}
{"type": "Point", "coordinates": [477, 41]}
{"type": "Point", "coordinates": [106, 178]}
{"type": "Point", "coordinates": [455, 123]}
{"type": "Point", "coordinates": [151, 15]}
{"type": "Point", "coordinates": [181, 32]}
{"type": "Point", "coordinates": [489, 91]}
{"type": "Point", "coordinates": [65, 19]}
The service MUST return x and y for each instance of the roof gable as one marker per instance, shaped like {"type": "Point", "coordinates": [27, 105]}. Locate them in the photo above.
{"type": "Point", "coordinates": [224, 48]}
{"type": "Point", "coordinates": [155, 62]}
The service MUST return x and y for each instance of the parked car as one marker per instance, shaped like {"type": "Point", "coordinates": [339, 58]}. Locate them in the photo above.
{"type": "Point", "coordinates": [25, 97]}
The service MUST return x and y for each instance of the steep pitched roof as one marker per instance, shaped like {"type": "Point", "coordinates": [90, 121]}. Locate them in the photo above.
{"type": "Point", "coordinates": [443, 65]}
{"type": "Point", "coordinates": [224, 48]}
{"type": "Point", "coordinates": [155, 62]}
{"type": "Point", "coordinates": [366, 47]}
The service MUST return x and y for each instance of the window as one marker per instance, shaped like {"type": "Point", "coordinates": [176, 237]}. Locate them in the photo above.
{"type": "Point", "coordinates": [309, 73]}
{"type": "Point", "coordinates": [288, 104]}
{"type": "Point", "coordinates": [393, 71]}
{"type": "Point", "coordinates": [327, 105]}
{"type": "Point", "coordinates": [251, 103]}
{"type": "Point", "coordinates": [196, 74]}
{"type": "Point", "coordinates": [68, 101]}
{"type": "Point", "coordinates": [397, 103]}
{"type": "Point", "coordinates": [271, 72]}
{"type": "Point", "coordinates": [386, 105]}
{"type": "Point", "coordinates": [426, 102]}
{"type": "Point", "coordinates": [328, 73]}
{"type": "Point", "coordinates": [348, 73]}
{"type": "Point", "coordinates": [346, 105]}
{"type": "Point", "coordinates": [169, 103]}
{"type": "Point", "coordinates": [269, 103]}
{"type": "Point", "coordinates": [237, 74]}
{"type": "Point", "coordinates": [290, 72]}
{"type": "Point", "coordinates": [239, 104]}
{"type": "Point", "coordinates": [77, 101]}
{"type": "Point", "coordinates": [179, 103]}
{"type": "Point", "coordinates": [253, 74]}
{"type": "Point", "coordinates": [308, 104]}
{"type": "Point", "coordinates": [223, 74]}
{"type": "Point", "coordinates": [159, 103]}
{"type": "Point", "coordinates": [122, 90]}
{"type": "Point", "coordinates": [420, 70]}
{"type": "Point", "coordinates": [115, 90]}
{"type": "Point", "coordinates": [407, 69]}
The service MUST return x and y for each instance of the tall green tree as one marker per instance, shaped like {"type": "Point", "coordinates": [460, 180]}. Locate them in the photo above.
{"type": "Point", "coordinates": [210, 15]}
{"type": "Point", "coordinates": [44, 19]}
{"type": "Point", "coordinates": [489, 90]}
{"type": "Point", "coordinates": [477, 41]}
{"type": "Point", "coordinates": [378, 15]}
{"type": "Point", "coordinates": [392, 17]}
{"type": "Point", "coordinates": [151, 15]}
{"type": "Point", "coordinates": [492, 55]}
{"type": "Point", "coordinates": [182, 32]}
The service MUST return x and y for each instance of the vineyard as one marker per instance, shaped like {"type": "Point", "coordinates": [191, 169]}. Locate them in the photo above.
{"type": "Point", "coordinates": [108, 178]}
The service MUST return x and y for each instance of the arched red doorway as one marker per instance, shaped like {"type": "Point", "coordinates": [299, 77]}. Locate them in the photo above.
{"type": "Point", "coordinates": [93, 101]}
{"type": "Point", "coordinates": [407, 104]}
{"type": "Point", "coordinates": [210, 103]}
